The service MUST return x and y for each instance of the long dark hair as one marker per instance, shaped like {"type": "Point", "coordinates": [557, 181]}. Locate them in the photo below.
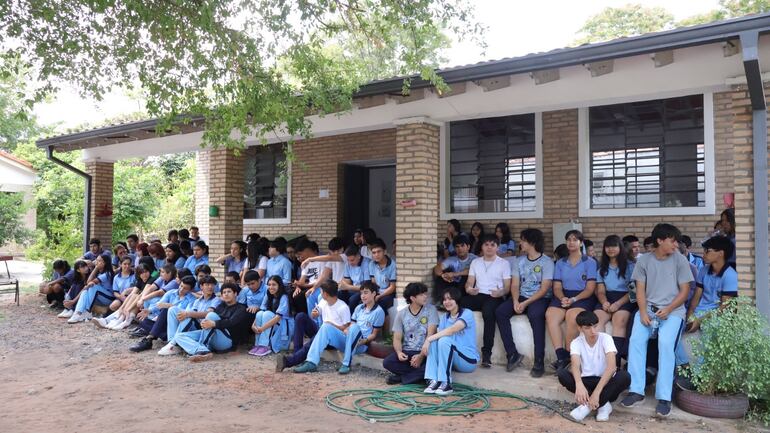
{"type": "Point", "coordinates": [476, 241]}
{"type": "Point", "coordinates": [107, 267]}
{"type": "Point", "coordinates": [241, 249]}
{"type": "Point", "coordinates": [177, 253]}
{"type": "Point", "coordinates": [256, 249]}
{"type": "Point", "coordinates": [456, 225]}
{"type": "Point", "coordinates": [274, 301]}
{"type": "Point", "coordinates": [506, 232]}
{"type": "Point", "coordinates": [79, 278]}
{"type": "Point", "coordinates": [604, 265]}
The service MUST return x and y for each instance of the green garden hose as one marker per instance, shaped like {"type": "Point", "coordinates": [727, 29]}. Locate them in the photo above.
{"type": "Point", "coordinates": [401, 402]}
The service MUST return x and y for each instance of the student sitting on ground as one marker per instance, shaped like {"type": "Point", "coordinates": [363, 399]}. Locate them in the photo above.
{"type": "Point", "coordinates": [98, 289]}
{"type": "Point", "coordinates": [593, 377]}
{"type": "Point", "coordinates": [252, 295]}
{"type": "Point", "coordinates": [506, 247]}
{"type": "Point", "coordinates": [256, 258]}
{"type": "Point", "coordinates": [334, 262]}
{"type": "Point", "coordinates": [200, 256]}
{"type": "Point", "coordinates": [121, 251]}
{"type": "Point", "coordinates": [132, 241]}
{"type": "Point", "coordinates": [222, 330]}
{"type": "Point", "coordinates": [382, 270]}
{"type": "Point", "coordinates": [175, 257]}
{"type": "Point", "coordinates": [718, 280]}
{"type": "Point", "coordinates": [94, 251]}
{"type": "Point", "coordinates": [151, 295]}
{"type": "Point", "coordinates": [173, 236]}
{"type": "Point", "coordinates": [310, 278]}
{"type": "Point", "coordinates": [158, 254]}
{"type": "Point", "coordinates": [123, 282]}
{"type": "Point", "coordinates": [291, 254]}
{"type": "Point", "coordinates": [125, 314]}
{"type": "Point", "coordinates": [453, 271]}
{"type": "Point", "coordinates": [489, 279]}
{"type": "Point", "coordinates": [662, 284]}
{"type": "Point", "coordinates": [273, 322]}
{"type": "Point", "coordinates": [334, 315]}
{"type": "Point", "coordinates": [369, 237]}
{"type": "Point", "coordinates": [574, 283]}
{"type": "Point", "coordinates": [200, 272]}
{"type": "Point", "coordinates": [60, 283]}
{"type": "Point", "coordinates": [157, 322]}
{"type": "Point", "coordinates": [452, 231]}
{"type": "Point", "coordinates": [142, 250]}
{"type": "Point", "coordinates": [234, 261]}
{"type": "Point", "coordinates": [195, 234]}
{"type": "Point", "coordinates": [453, 347]}
{"type": "Point", "coordinates": [233, 277]}
{"type": "Point", "coordinates": [179, 319]}
{"type": "Point", "coordinates": [613, 302]}
{"type": "Point", "coordinates": [366, 322]}
{"type": "Point", "coordinates": [531, 278]}
{"type": "Point", "coordinates": [72, 295]}
{"type": "Point", "coordinates": [355, 273]}
{"type": "Point", "coordinates": [412, 326]}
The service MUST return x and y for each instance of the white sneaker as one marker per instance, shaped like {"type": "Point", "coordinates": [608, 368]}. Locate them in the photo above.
{"type": "Point", "coordinates": [79, 317]}
{"type": "Point", "coordinates": [580, 412]}
{"type": "Point", "coordinates": [168, 349]}
{"type": "Point", "coordinates": [66, 314]}
{"type": "Point", "coordinates": [124, 324]}
{"type": "Point", "coordinates": [603, 414]}
{"type": "Point", "coordinates": [99, 322]}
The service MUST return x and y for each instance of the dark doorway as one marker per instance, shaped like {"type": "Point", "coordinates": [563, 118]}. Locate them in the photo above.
{"type": "Point", "coordinates": [369, 196]}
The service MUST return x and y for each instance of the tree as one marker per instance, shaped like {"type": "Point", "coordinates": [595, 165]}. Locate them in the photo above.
{"type": "Point", "coordinates": [227, 60]}
{"type": "Point", "coordinates": [629, 20]}
{"type": "Point", "coordinates": [16, 123]}
{"type": "Point", "coordinates": [12, 210]}
{"type": "Point", "coordinates": [738, 8]}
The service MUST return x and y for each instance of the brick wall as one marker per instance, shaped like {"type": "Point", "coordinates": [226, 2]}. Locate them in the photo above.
{"type": "Point", "coordinates": [318, 164]}
{"type": "Point", "coordinates": [560, 183]}
{"type": "Point", "coordinates": [417, 168]}
{"type": "Point", "coordinates": [101, 200]}
{"type": "Point", "coordinates": [202, 192]}
{"type": "Point", "coordinates": [226, 192]}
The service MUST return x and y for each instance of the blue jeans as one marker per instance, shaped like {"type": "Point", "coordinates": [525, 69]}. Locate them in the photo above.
{"type": "Point", "coordinates": [328, 335]}
{"type": "Point", "coordinates": [443, 357]}
{"type": "Point", "coordinates": [204, 340]}
{"type": "Point", "coordinates": [351, 344]}
{"type": "Point", "coordinates": [669, 332]}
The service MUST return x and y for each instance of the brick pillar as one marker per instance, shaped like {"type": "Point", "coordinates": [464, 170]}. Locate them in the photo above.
{"type": "Point", "coordinates": [101, 200]}
{"type": "Point", "coordinates": [202, 192]}
{"type": "Point", "coordinates": [225, 192]}
{"type": "Point", "coordinates": [417, 178]}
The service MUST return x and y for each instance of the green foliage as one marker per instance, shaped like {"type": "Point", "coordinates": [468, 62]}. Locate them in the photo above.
{"type": "Point", "coordinates": [707, 17]}
{"type": "Point", "coordinates": [629, 20]}
{"type": "Point", "coordinates": [16, 121]}
{"type": "Point", "coordinates": [254, 67]}
{"type": "Point", "coordinates": [734, 347]}
{"type": "Point", "coordinates": [12, 211]}
{"type": "Point", "coordinates": [737, 8]}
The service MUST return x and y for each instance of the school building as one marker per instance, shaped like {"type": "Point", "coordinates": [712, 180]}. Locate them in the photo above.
{"type": "Point", "coordinates": [615, 136]}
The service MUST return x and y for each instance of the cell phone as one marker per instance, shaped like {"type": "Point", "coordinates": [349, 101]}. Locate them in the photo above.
{"type": "Point", "coordinates": [654, 308]}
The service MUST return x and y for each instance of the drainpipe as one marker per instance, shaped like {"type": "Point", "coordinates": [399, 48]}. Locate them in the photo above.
{"type": "Point", "coordinates": [750, 48]}
{"type": "Point", "coordinates": [87, 207]}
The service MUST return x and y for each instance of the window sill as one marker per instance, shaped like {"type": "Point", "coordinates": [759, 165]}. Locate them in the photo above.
{"type": "Point", "coordinates": [267, 221]}
{"type": "Point", "coordinates": [647, 211]}
{"type": "Point", "coordinates": [493, 215]}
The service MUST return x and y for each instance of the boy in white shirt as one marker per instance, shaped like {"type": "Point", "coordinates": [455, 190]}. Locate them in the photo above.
{"type": "Point", "coordinates": [593, 375]}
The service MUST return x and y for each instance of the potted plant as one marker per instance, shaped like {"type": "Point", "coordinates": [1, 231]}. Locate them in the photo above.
{"type": "Point", "coordinates": [730, 367]}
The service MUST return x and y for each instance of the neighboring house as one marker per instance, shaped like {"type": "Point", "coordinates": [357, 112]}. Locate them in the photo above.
{"type": "Point", "coordinates": [620, 135]}
{"type": "Point", "coordinates": [18, 175]}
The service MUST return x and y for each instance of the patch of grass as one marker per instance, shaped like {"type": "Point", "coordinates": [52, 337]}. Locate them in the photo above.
{"type": "Point", "coordinates": [28, 288]}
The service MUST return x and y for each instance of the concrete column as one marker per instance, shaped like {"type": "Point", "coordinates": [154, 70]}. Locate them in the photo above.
{"type": "Point", "coordinates": [101, 200]}
{"type": "Point", "coordinates": [417, 180]}
{"type": "Point", "coordinates": [226, 193]}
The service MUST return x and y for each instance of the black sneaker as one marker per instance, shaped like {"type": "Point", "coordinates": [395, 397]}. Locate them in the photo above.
{"type": "Point", "coordinates": [562, 364]}
{"type": "Point", "coordinates": [393, 379]}
{"type": "Point", "coordinates": [142, 345]}
{"type": "Point", "coordinates": [486, 360]}
{"type": "Point", "coordinates": [537, 370]}
{"type": "Point", "coordinates": [513, 362]}
{"type": "Point", "coordinates": [632, 399]}
{"type": "Point", "coordinates": [432, 387]}
{"type": "Point", "coordinates": [139, 333]}
{"type": "Point", "coordinates": [444, 389]}
{"type": "Point", "coordinates": [663, 408]}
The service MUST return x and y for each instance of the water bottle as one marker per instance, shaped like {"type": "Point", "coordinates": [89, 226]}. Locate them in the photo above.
{"type": "Point", "coordinates": [655, 323]}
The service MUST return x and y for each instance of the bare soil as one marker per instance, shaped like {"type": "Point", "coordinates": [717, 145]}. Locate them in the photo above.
{"type": "Point", "coordinates": [77, 378]}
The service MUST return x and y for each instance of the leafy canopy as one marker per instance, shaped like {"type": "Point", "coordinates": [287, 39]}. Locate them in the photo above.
{"type": "Point", "coordinates": [253, 66]}
{"type": "Point", "coordinates": [629, 20]}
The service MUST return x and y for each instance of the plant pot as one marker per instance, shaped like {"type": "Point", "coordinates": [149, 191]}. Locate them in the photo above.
{"type": "Point", "coordinates": [712, 406]}
{"type": "Point", "coordinates": [379, 350]}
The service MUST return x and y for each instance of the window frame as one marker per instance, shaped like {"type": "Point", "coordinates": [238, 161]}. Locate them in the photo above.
{"type": "Point", "coordinates": [445, 176]}
{"type": "Point", "coordinates": [276, 221]}
{"type": "Point", "coordinates": [584, 161]}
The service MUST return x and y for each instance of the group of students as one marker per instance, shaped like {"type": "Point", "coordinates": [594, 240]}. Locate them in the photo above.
{"type": "Point", "coordinates": [655, 295]}
{"type": "Point", "coordinates": [282, 294]}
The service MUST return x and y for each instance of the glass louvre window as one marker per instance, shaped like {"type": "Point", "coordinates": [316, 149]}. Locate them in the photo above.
{"type": "Point", "coordinates": [492, 164]}
{"type": "Point", "coordinates": [648, 154]}
{"type": "Point", "coordinates": [265, 177]}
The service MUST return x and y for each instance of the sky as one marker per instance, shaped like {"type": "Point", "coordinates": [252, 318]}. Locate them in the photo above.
{"type": "Point", "coordinates": [514, 28]}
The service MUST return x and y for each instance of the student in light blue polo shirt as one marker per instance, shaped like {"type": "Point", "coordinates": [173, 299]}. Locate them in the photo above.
{"type": "Point", "coordinates": [531, 278]}
{"type": "Point", "coordinates": [252, 295]}
{"type": "Point", "coordinates": [156, 324]}
{"type": "Point", "coordinates": [613, 301]}
{"type": "Point", "coordinates": [366, 322]}
{"type": "Point", "coordinates": [181, 319]}
{"type": "Point", "coordinates": [453, 271]}
{"type": "Point", "coordinates": [382, 270]}
{"type": "Point", "coordinates": [120, 251]}
{"type": "Point", "coordinates": [453, 347]}
{"type": "Point", "coordinates": [200, 256]}
{"type": "Point", "coordinates": [574, 283]}
{"type": "Point", "coordinates": [452, 231]}
{"type": "Point", "coordinates": [694, 259]}
{"type": "Point", "coordinates": [356, 272]}
{"type": "Point", "coordinates": [94, 251]}
{"type": "Point", "coordinates": [174, 256]}
{"type": "Point", "coordinates": [717, 278]}
{"type": "Point", "coordinates": [234, 261]}
{"type": "Point", "coordinates": [98, 288]}
{"type": "Point", "coordinates": [506, 246]}
{"type": "Point", "coordinates": [273, 323]}
{"type": "Point", "coordinates": [123, 282]}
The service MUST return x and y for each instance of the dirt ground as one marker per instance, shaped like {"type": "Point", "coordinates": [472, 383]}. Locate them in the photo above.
{"type": "Point", "coordinates": [59, 377]}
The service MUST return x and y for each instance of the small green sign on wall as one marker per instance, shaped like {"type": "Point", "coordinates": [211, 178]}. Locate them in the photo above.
{"type": "Point", "coordinates": [213, 211]}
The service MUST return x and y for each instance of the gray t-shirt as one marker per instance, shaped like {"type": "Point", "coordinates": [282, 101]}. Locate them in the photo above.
{"type": "Point", "coordinates": [415, 327]}
{"type": "Point", "coordinates": [662, 279]}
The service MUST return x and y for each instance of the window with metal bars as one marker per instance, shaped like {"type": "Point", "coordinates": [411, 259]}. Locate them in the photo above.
{"type": "Point", "coordinates": [648, 154]}
{"type": "Point", "coordinates": [265, 178]}
{"type": "Point", "coordinates": [492, 164]}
